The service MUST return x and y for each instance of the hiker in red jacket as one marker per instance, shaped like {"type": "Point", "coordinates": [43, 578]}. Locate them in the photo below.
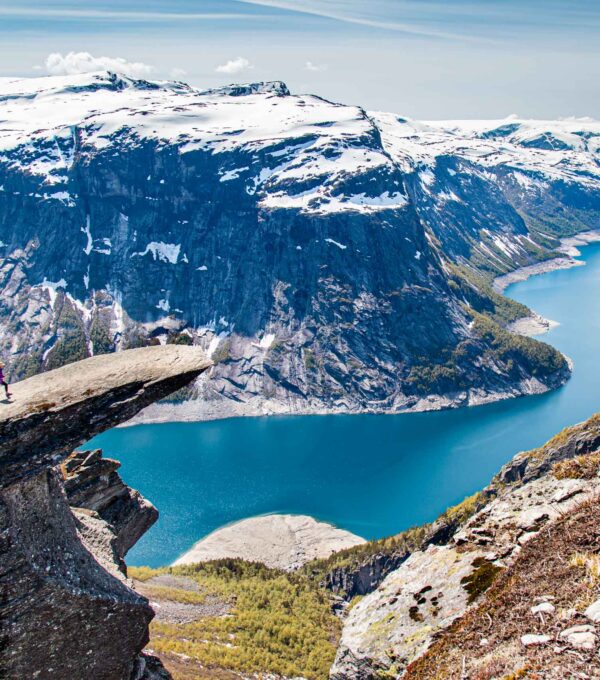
{"type": "Point", "coordinates": [3, 381]}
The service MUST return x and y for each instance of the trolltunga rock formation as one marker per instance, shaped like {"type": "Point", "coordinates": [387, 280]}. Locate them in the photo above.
{"type": "Point", "coordinates": [66, 609]}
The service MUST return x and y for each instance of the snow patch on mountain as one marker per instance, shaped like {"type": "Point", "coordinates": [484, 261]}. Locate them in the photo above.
{"type": "Point", "coordinates": [165, 252]}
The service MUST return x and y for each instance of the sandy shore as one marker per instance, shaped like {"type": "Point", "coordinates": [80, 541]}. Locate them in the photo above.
{"type": "Point", "coordinates": [279, 541]}
{"type": "Point", "coordinates": [532, 325]}
{"type": "Point", "coordinates": [568, 246]}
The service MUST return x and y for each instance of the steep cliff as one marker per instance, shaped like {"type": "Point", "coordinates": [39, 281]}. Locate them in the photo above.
{"type": "Point", "coordinates": [67, 610]}
{"type": "Point", "coordinates": [327, 258]}
{"type": "Point", "coordinates": [91, 482]}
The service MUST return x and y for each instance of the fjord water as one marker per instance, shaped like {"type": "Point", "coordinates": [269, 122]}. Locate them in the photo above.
{"type": "Point", "coordinates": [371, 474]}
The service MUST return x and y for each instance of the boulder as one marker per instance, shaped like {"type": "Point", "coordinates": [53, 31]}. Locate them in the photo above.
{"type": "Point", "coordinates": [593, 611]}
{"type": "Point", "coordinates": [531, 640]}
{"type": "Point", "coordinates": [580, 637]}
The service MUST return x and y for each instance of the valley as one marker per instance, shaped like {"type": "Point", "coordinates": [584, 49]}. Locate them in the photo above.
{"type": "Point", "coordinates": [369, 474]}
{"type": "Point", "coordinates": [362, 284]}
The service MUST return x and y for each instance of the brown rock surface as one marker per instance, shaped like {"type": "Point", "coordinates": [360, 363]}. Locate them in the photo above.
{"type": "Point", "coordinates": [66, 611]}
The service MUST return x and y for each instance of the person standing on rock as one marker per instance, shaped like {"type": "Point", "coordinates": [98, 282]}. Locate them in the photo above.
{"type": "Point", "coordinates": [3, 381]}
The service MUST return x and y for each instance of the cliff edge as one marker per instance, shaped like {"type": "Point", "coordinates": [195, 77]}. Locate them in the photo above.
{"type": "Point", "coordinates": [60, 567]}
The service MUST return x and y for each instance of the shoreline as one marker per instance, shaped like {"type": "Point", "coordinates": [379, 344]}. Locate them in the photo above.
{"type": "Point", "coordinates": [535, 324]}
{"type": "Point", "coordinates": [280, 541]}
{"type": "Point", "coordinates": [256, 407]}
{"type": "Point", "coordinates": [569, 247]}
{"type": "Point", "coordinates": [532, 326]}
{"type": "Point", "coordinates": [201, 411]}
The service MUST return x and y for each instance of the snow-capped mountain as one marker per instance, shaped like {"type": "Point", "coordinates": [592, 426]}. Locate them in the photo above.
{"type": "Point", "coordinates": [326, 257]}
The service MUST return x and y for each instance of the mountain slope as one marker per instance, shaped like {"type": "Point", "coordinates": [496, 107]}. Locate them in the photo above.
{"type": "Point", "coordinates": [327, 258]}
{"type": "Point", "coordinates": [529, 537]}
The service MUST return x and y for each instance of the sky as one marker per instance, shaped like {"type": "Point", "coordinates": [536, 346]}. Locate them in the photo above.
{"type": "Point", "coordinates": [426, 59]}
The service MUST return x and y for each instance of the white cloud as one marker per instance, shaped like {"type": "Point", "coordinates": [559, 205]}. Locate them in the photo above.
{"type": "Point", "coordinates": [234, 66]}
{"type": "Point", "coordinates": [309, 66]}
{"type": "Point", "coordinates": [83, 62]}
{"type": "Point", "coordinates": [177, 73]}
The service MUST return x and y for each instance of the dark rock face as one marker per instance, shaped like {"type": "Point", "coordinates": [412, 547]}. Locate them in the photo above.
{"type": "Point", "coordinates": [573, 441]}
{"type": "Point", "coordinates": [366, 575]}
{"type": "Point", "coordinates": [67, 610]}
{"type": "Point", "coordinates": [92, 482]}
{"type": "Point", "coordinates": [288, 236]}
{"type": "Point", "coordinates": [66, 613]}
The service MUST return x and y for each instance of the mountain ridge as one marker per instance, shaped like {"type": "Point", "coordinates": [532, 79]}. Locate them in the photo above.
{"type": "Point", "coordinates": [296, 240]}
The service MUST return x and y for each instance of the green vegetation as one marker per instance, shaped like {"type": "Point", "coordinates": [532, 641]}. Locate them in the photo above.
{"type": "Point", "coordinates": [279, 623]}
{"type": "Point", "coordinates": [276, 350]}
{"type": "Point", "coordinates": [581, 467]}
{"type": "Point", "coordinates": [24, 365]}
{"type": "Point", "coordinates": [101, 340]}
{"type": "Point", "coordinates": [480, 579]}
{"type": "Point", "coordinates": [425, 378]}
{"type": "Point", "coordinates": [539, 358]}
{"type": "Point", "coordinates": [478, 292]}
{"type": "Point", "coordinates": [310, 362]}
{"type": "Point", "coordinates": [71, 344]}
{"type": "Point", "coordinates": [223, 352]}
{"type": "Point", "coordinates": [458, 514]}
{"type": "Point", "coordinates": [136, 339]}
{"type": "Point", "coordinates": [589, 427]}
{"type": "Point", "coordinates": [352, 558]}
{"type": "Point", "coordinates": [145, 573]}
{"type": "Point", "coordinates": [491, 312]}
{"type": "Point", "coordinates": [405, 542]}
{"type": "Point", "coordinates": [179, 339]}
{"type": "Point", "coordinates": [549, 227]}
{"type": "Point", "coordinates": [590, 564]}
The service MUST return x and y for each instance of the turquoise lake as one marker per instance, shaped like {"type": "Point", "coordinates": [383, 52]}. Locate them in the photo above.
{"type": "Point", "coordinates": [371, 474]}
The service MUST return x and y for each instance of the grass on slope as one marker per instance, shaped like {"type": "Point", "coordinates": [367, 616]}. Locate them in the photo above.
{"type": "Point", "coordinates": [279, 623]}
{"type": "Point", "coordinates": [562, 562]}
{"type": "Point", "coordinates": [540, 358]}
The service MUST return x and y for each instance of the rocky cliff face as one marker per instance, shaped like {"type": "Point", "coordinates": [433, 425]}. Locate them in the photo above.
{"type": "Point", "coordinates": [387, 633]}
{"type": "Point", "coordinates": [92, 483]}
{"type": "Point", "coordinates": [67, 610]}
{"type": "Point", "coordinates": [325, 257]}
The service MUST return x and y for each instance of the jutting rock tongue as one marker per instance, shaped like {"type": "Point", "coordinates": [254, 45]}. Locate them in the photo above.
{"type": "Point", "coordinates": [67, 610]}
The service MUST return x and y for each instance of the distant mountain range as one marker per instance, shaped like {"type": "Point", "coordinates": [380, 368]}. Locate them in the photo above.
{"type": "Point", "coordinates": [327, 258]}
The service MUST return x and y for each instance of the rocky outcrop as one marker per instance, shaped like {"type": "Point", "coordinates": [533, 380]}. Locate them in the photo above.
{"type": "Point", "coordinates": [92, 482]}
{"type": "Point", "coordinates": [395, 624]}
{"type": "Point", "coordinates": [363, 575]}
{"type": "Point", "coordinates": [67, 610]}
{"type": "Point", "coordinates": [535, 620]}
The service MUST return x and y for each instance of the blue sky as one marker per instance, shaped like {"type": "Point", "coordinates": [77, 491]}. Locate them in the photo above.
{"type": "Point", "coordinates": [421, 58]}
